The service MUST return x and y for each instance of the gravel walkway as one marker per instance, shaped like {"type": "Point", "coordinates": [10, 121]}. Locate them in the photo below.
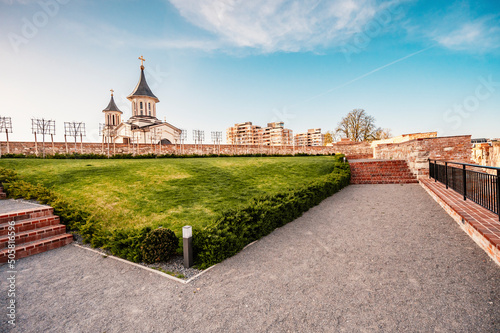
{"type": "Point", "coordinates": [372, 258]}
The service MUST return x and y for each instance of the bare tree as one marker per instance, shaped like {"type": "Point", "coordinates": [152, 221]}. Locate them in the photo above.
{"type": "Point", "coordinates": [358, 126]}
{"type": "Point", "coordinates": [382, 134]}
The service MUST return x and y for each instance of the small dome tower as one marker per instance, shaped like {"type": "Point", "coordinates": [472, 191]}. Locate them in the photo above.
{"type": "Point", "coordinates": [112, 114]}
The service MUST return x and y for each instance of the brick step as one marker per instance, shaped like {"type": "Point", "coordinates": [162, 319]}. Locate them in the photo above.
{"type": "Point", "coordinates": [380, 163]}
{"type": "Point", "coordinates": [364, 166]}
{"type": "Point", "coordinates": [34, 235]}
{"type": "Point", "coordinates": [382, 177]}
{"type": "Point", "coordinates": [380, 167]}
{"type": "Point", "coordinates": [39, 246]}
{"type": "Point", "coordinates": [30, 224]}
{"type": "Point", "coordinates": [381, 172]}
{"type": "Point", "coordinates": [383, 181]}
{"type": "Point", "coordinates": [409, 181]}
{"type": "Point", "coordinates": [26, 214]}
{"type": "Point", "coordinates": [375, 168]}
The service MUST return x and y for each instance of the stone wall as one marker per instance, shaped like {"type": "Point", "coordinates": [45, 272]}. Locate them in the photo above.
{"type": "Point", "coordinates": [352, 150]}
{"type": "Point", "coordinates": [495, 154]}
{"type": "Point", "coordinates": [487, 154]}
{"type": "Point", "coordinates": [417, 152]}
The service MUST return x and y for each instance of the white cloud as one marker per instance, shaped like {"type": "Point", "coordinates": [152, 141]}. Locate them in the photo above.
{"type": "Point", "coordinates": [481, 34]}
{"type": "Point", "coordinates": [280, 25]}
{"type": "Point", "coordinates": [111, 37]}
{"type": "Point", "coordinates": [21, 2]}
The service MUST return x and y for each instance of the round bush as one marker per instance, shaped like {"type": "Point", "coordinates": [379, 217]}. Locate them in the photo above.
{"type": "Point", "coordinates": [159, 245]}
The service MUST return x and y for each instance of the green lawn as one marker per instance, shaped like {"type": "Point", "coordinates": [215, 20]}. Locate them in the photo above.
{"type": "Point", "coordinates": [167, 192]}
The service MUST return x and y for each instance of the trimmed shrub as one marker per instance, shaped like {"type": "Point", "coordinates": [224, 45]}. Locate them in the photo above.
{"type": "Point", "coordinates": [7, 176]}
{"type": "Point", "coordinates": [233, 229]}
{"type": "Point", "coordinates": [228, 234]}
{"type": "Point", "coordinates": [122, 243]}
{"type": "Point", "coordinates": [159, 245]}
{"type": "Point", "coordinates": [149, 156]}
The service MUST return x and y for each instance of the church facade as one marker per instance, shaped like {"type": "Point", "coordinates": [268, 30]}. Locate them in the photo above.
{"type": "Point", "coordinates": [143, 126]}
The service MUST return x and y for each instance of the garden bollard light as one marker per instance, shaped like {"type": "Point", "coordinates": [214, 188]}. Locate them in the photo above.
{"type": "Point", "coordinates": [187, 241]}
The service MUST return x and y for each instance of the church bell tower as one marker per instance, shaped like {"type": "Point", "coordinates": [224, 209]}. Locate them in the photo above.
{"type": "Point", "coordinates": [142, 98]}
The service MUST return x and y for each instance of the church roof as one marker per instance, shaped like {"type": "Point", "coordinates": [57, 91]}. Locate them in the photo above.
{"type": "Point", "coordinates": [142, 88]}
{"type": "Point", "coordinates": [112, 106]}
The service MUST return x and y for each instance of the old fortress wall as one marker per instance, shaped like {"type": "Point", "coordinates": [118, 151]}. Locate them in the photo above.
{"type": "Point", "coordinates": [353, 150]}
{"type": "Point", "coordinates": [416, 151]}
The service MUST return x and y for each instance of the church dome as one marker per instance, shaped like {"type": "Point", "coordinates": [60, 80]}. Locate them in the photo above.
{"type": "Point", "coordinates": [112, 106]}
{"type": "Point", "coordinates": [142, 89]}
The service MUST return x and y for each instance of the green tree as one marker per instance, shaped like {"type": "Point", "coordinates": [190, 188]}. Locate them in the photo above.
{"type": "Point", "coordinates": [328, 138]}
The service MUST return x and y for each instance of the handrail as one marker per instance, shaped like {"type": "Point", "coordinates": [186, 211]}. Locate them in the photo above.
{"type": "Point", "coordinates": [466, 164]}
{"type": "Point", "coordinates": [481, 187]}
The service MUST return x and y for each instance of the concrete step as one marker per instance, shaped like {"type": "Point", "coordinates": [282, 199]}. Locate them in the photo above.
{"type": "Point", "coordinates": [35, 247]}
{"type": "Point", "coordinates": [29, 224]}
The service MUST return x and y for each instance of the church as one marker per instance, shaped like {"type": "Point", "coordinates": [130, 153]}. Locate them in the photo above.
{"type": "Point", "coordinates": [143, 126]}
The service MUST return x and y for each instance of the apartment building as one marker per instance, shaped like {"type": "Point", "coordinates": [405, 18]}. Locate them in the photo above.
{"type": "Point", "coordinates": [243, 134]}
{"type": "Point", "coordinates": [312, 137]}
{"type": "Point", "coordinates": [275, 134]}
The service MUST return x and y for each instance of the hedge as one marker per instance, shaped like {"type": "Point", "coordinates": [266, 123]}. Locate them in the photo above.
{"type": "Point", "coordinates": [76, 156]}
{"type": "Point", "coordinates": [124, 243]}
{"type": "Point", "coordinates": [233, 229]}
{"type": "Point", "coordinates": [228, 234]}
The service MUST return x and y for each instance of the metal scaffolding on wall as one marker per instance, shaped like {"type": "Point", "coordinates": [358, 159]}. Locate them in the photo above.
{"type": "Point", "coordinates": [43, 127]}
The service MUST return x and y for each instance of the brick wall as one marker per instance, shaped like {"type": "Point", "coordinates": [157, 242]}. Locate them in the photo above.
{"type": "Point", "coordinates": [494, 158]}
{"type": "Point", "coordinates": [484, 154]}
{"type": "Point", "coordinates": [417, 152]}
{"type": "Point", "coordinates": [354, 150]}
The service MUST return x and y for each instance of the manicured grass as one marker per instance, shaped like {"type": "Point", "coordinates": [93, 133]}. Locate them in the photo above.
{"type": "Point", "coordinates": [167, 192]}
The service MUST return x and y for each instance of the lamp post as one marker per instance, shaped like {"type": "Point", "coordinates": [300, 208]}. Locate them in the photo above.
{"type": "Point", "coordinates": [187, 244]}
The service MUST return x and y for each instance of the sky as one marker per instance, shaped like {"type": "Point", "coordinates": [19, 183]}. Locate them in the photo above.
{"type": "Point", "coordinates": [415, 66]}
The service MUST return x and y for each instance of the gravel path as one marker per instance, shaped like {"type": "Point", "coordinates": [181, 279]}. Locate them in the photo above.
{"type": "Point", "coordinates": [372, 258]}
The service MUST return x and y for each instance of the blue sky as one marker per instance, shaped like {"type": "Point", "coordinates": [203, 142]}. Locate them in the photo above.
{"type": "Point", "coordinates": [414, 65]}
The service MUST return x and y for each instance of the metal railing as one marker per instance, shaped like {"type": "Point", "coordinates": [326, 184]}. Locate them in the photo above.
{"type": "Point", "coordinates": [480, 187]}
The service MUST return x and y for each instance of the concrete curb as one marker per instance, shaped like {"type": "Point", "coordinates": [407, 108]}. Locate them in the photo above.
{"type": "Point", "coordinates": [173, 278]}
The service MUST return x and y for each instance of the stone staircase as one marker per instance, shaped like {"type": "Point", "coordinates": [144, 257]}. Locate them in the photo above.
{"type": "Point", "coordinates": [381, 172]}
{"type": "Point", "coordinates": [36, 230]}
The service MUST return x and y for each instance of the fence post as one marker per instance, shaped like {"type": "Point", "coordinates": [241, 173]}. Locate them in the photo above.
{"type": "Point", "coordinates": [464, 179]}
{"type": "Point", "coordinates": [446, 173]}
{"type": "Point", "coordinates": [498, 193]}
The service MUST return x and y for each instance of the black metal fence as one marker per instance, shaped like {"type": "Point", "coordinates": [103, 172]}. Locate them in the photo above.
{"type": "Point", "coordinates": [481, 187]}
